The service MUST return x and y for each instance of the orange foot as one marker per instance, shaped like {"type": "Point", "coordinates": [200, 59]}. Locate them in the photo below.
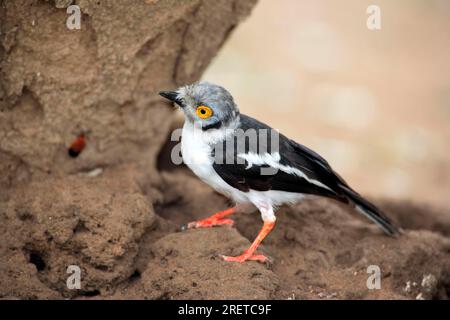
{"type": "Point", "coordinates": [217, 219]}
{"type": "Point", "coordinates": [247, 257]}
{"type": "Point", "coordinates": [249, 254]}
{"type": "Point", "coordinates": [210, 222]}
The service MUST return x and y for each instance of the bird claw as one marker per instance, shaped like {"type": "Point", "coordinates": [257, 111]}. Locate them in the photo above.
{"type": "Point", "coordinates": [247, 257]}
{"type": "Point", "coordinates": [206, 223]}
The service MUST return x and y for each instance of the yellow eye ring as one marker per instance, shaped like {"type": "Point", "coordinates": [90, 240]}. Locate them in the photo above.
{"type": "Point", "coordinates": [204, 112]}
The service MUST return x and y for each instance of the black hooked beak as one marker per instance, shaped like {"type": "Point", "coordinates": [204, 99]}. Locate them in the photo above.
{"type": "Point", "coordinates": [172, 96]}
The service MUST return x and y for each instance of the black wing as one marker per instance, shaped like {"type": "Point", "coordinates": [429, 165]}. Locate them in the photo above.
{"type": "Point", "coordinates": [316, 178]}
{"type": "Point", "coordinates": [262, 177]}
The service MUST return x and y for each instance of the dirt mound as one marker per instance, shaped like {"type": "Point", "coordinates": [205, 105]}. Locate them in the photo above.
{"type": "Point", "coordinates": [175, 272]}
{"type": "Point", "coordinates": [323, 250]}
{"type": "Point", "coordinates": [94, 223]}
{"type": "Point", "coordinates": [127, 249]}
{"type": "Point", "coordinates": [101, 80]}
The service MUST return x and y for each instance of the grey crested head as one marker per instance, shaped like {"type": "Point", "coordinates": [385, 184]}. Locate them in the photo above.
{"type": "Point", "coordinates": [207, 104]}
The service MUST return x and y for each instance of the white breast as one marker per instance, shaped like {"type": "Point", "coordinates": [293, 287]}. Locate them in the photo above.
{"type": "Point", "coordinates": [196, 147]}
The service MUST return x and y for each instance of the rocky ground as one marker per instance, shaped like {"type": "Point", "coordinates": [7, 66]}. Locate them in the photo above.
{"type": "Point", "coordinates": [124, 234]}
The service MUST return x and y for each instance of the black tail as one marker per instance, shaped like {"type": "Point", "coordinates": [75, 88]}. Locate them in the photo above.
{"type": "Point", "coordinates": [369, 210]}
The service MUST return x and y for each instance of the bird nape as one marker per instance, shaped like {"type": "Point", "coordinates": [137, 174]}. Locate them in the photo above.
{"type": "Point", "coordinates": [253, 164]}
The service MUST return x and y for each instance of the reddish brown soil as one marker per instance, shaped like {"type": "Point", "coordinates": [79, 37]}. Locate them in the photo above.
{"type": "Point", "coordinates": [128, 248]}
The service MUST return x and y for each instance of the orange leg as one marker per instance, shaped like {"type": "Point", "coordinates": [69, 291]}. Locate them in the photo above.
{"type": "Point", "coordinates": [215, 220]}
{"type": "Point", "coordinates": [249, 254]}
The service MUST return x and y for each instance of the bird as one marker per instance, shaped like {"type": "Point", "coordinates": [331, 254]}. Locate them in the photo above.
{"type": "Point", "coordinates": [254, 165]}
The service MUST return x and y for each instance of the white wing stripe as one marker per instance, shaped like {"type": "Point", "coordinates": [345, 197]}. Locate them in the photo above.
{"type": "Point", "coordinates": [273, 160]}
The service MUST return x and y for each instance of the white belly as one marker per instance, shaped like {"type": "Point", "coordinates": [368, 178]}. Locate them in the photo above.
{"type": "Point", "coordinates": [196, 154]}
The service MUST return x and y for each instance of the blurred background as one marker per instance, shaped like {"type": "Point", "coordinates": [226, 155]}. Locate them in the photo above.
{"type": "Point", "coordinates": [375, 103]}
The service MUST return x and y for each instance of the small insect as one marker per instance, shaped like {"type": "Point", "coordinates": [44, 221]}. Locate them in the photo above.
{"type": "Point", "coordinates": [77, 146]}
